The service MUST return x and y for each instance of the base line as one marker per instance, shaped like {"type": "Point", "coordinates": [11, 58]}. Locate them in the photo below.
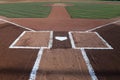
{"type": "Point", "coordinates": [16, 24]}
{"type": "Point", "coordinates": [102, 26]}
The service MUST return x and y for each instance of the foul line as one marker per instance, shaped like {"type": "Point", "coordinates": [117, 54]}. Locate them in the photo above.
{"type": "Point", "coordinates": [16, 24]}
{"type": "Point", "coordinates": [102, 26]}
{"type": "Point", "coordinates": [37, 62]}
{"type": "Point", "coordinates": [12, 45]}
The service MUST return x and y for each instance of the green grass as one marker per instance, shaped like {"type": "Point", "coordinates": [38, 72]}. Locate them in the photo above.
{"type": "Point", "coordinates": [95, 11]}
{"type": "Point", "coordinates": [24, 10]}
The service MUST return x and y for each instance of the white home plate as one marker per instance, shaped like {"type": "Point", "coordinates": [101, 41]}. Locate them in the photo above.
{"type": "Point", "coordinates": [61, 38]}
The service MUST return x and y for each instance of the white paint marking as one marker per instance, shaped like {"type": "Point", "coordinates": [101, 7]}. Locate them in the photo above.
{"type": "Point", "coordinates": [102, 26]}
{"type": "Point", "coordinates": [73, 43]}
{"type": "Point", "coordinates": [71, 40]}
{"type": "Point", "coordinates": [29, 47]}
{"type": "Point", "coordinates": [51, 40]}
{"type": "Point", "coordinates": [12, 45]}
{"type": "Point", "coordinates": [108, 45]}
{"type": "Point", "coordinates": [61, 38]}
{"type": "Point", "coordinates": [36, 65]}
{"type": "Point", "coordinates": [17, 25]}
{"type": "Point", "coordinates": [90, 69]}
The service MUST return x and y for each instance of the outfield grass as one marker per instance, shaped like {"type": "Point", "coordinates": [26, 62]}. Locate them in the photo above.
{"type": "Point", "coordinates": [24, 10]}
{"type": "Point", "coordinates": [92, 10]}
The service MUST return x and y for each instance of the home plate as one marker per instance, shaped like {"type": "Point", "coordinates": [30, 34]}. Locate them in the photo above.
{"type": "Point", "coordinates": [60, 38]}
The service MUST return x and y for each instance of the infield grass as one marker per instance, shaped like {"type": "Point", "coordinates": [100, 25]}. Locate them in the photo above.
{"type": "Point", "coordinates": [24, 10]}
{"type": "Point", "coordinates": [93, 10]}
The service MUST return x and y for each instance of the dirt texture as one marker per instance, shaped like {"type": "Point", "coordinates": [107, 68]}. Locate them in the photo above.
{"type": "Point", "coordinates": [88, 40]}
{"type": "Point", "coordinates": [62, 64]}
{"type": "Point", "coordinates": [59, 20]}
{"type": "Point", "coordinates": [15, 64]}
{"type": "Point", "coordinates": [106, 63]}
{"type": "Point", "coordinates": [61, 44]}
{"type": "Point", "coordinates": [34, 39]}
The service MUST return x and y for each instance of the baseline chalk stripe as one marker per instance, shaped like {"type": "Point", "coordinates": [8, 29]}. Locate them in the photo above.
{"type": "Point", "coordinates": [90, 69]}
{"type": "Point", "coordinates": [85, 57]}
{"type": "Point", "coordinates": [36, 65]}
{"type": "Point", "coordinates": [102, 26]}
{"type": "Point", "coordinates": [17, 25]}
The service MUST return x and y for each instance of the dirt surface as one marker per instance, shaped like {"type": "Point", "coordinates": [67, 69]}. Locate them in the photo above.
{"type": "Point", "coordinates": [60, 24]}
{"type": "Point", "coordinates": [59, 20]}
{"type": "Point", "coordinates": [87, 40]}
{"type": "Point", "coordinates": [62, 64]}
{"type": "Point", "coordinates": [59, 12]}
{"type": "Point", "coordinates": [34, 39]}
{"type": "Point", "coordinates": [15, 64]}
{"type": "Point", "coordinates": [56, 63]}
{"type": "Point", "coordinates": [106, 63]}
{"type": "Point", "coordinates": [61, 44]}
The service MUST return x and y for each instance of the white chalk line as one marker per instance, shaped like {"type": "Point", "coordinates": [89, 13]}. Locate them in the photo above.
{"type": "Point", "coordinates": [12, 45]}
{"type": "Point", "coordinates": [16, 24]}
{"type": "Point", "coordinates": [108, 46]}
{"type": "Point", "coordinates": [102, 26]}
{"type": "Point", "coordinates": [36, 65]}
{"type": "Point", "coordinates": [90, 68]}
{"type": "Point", "coordinates": [31, 47]}
{"type": "Point", "coordinates": [37, 62]}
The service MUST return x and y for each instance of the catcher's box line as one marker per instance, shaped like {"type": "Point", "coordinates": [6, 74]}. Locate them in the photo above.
{"type": "Point", "coordinates": [36, 65]}
{"type": "Point", "coordinates": [90, 68]}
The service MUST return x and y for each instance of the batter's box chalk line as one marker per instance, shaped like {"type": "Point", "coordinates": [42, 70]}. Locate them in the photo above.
{"type": "Point", "coordinates": [82, 49]}
{"type": "Point", "coordinates": [107, 45]}
{"type": "Point", "coordinates": [13, 45]}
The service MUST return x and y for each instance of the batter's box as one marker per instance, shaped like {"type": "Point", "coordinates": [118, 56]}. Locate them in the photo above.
{"type": "Point", "coordinates": [88, 40]}
{"type": "Point", "coordinates": [35, 40]}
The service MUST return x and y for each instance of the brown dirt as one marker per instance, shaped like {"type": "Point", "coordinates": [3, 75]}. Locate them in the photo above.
{"type": "Point", "coordinates": [60, 24]}
{"type": "Point", "coordinates": [15, 64]}
{"type": "Point", "coordinates": [59, 20]}
{"type": "Point", "coordinates": [59, 12]}
{"type": "Point", "coordinates": [62, 64]}
{"type": "Point", "coordinates": [106, 63]}
{"type": "Point", "coordinates": [87, 40]}
{"type": "Point", "coordinates": [34, 39]}
{"type": "Point", "coordinates": [61, 44]}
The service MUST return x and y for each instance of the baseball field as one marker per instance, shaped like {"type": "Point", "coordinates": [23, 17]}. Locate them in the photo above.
{"type": "Point", "coordinates": [59, 40]}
